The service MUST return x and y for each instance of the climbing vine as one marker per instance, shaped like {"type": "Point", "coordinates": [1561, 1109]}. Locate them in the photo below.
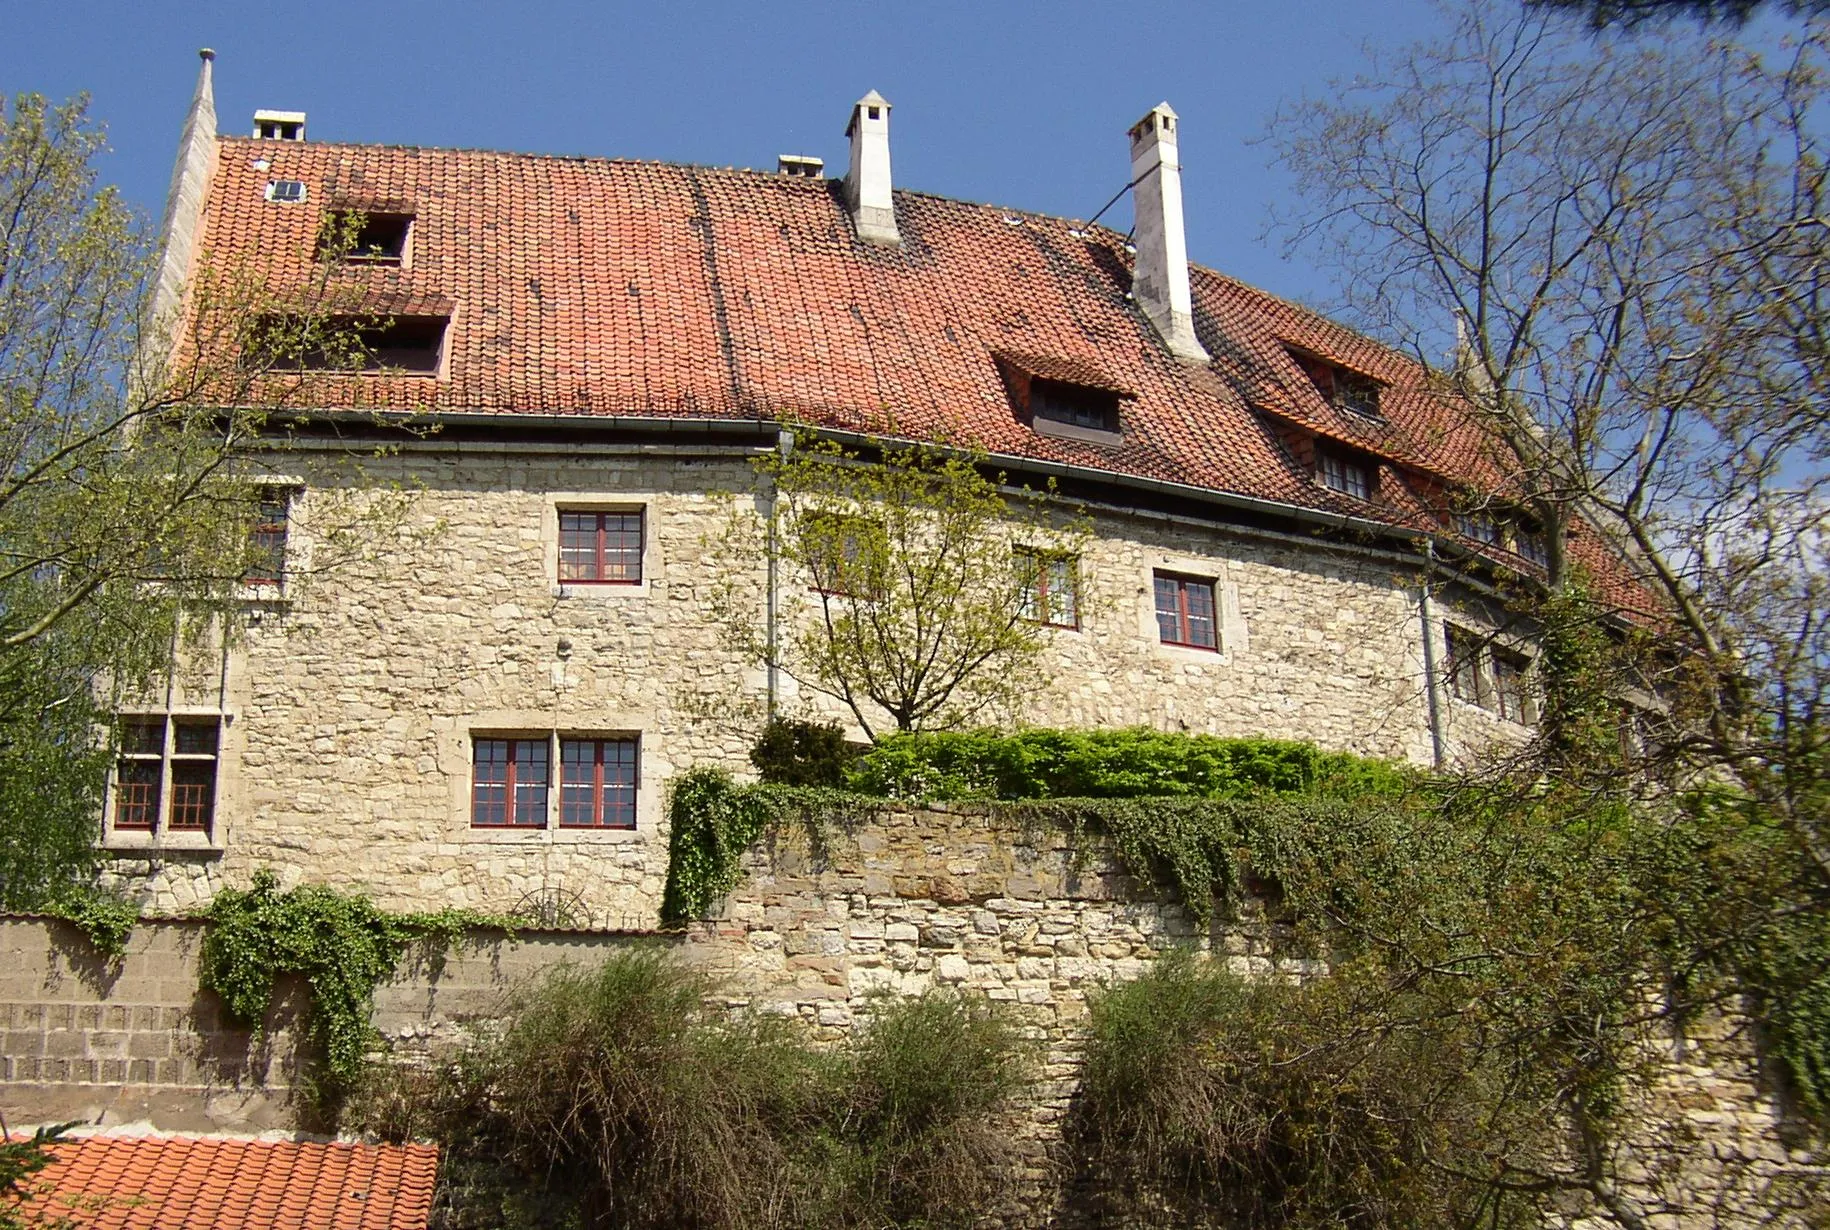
{"type": "Point", "coordinates": [106, 921]}
{"type": "Point", "coordinates": [712, 820]}
{"type": "Point", "coordinates": [340, 944]}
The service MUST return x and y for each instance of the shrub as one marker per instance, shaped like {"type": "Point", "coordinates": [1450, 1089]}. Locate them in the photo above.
{"type": "Point", "coordinates": [615, 1097]}
{"type": "Point", "coordinates": [1212, 1100]}
{"type": "Point", "coordinates": [1108, 764]}
{"type": "Point", "coordinates": [792, 753]}
{"type": "Point", "coordinates": [930, 1078]}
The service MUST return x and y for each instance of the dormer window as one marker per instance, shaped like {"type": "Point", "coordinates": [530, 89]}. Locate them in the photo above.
{"type": "Point", "coordinates": [1344, 473]}
{"type": "Point", "coordinates": [1339, 387]}
{"type": "Point", "coordinates": [1068, 398]}
{"type": "Point", "coordinates": [409, 344]}
{"type": "Point", "coordinates": [1479, 527]}
{"type": "Point", "coordinates": [1077, 406]}
{"type": "Point", "coordinates": [373, 238]}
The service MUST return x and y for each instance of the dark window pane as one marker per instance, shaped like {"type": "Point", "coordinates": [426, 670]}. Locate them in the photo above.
{"type": "Point", "coordinates": [143, 738]}
{"type": "Point", "coordinates": [196, 738]}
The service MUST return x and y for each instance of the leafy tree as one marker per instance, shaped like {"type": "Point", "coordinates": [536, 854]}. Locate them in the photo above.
{"type": "Point", "coordinates": [1630, 239]}
{"type": "Point", "coordinates": [129, 484]}
{"type": "Point", "coordinates": [908, 583]}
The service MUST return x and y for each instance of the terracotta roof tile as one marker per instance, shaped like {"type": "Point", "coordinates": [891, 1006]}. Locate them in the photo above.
{"type": "Point", "coordinates": [581, 286]}
{"type": "Point", "coordinates": [202, 1183]}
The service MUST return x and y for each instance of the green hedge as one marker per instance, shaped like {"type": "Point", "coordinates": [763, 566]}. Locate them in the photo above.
{"type": "Point", "coordinates": [1109, 764]}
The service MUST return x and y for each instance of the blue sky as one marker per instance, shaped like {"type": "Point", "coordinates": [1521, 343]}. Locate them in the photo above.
{"type": "Point", "coordinates": [1021, 104]}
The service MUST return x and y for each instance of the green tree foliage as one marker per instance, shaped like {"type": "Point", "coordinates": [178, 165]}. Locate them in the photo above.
{"type": "Point", "coordinates": [128, 481]}
{"type": "Point", "coordinates": [792, 753]}
{"type": "Point", "coordinates": [625, 1101]}
{"type": "Point", "coordinates": [1105, 764]}
{"type": "Point", "coordinates": [900, 595]}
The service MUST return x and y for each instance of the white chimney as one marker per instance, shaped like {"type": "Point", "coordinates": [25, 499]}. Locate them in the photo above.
{"type": "Point", "coordinates": [279, 125]}
{"type": "Point", "coordinates": [867, 183]}
{"type": "Point", "coordinates": [1159, 281]}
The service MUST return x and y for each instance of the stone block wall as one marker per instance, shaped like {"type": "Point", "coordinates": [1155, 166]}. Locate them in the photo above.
{"type": "Point", "coordinates": [895, 902]}
{"type": "Point", "coordinates": [350, 705]}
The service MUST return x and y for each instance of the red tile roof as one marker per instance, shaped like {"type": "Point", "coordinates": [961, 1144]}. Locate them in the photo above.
{"type": "Point", "coordinates": [582, 287]}
{"type": "Point", "coordinates": [206, 1183]}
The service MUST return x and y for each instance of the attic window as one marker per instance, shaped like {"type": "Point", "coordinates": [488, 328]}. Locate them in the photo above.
{"type": "Point", "coordinates": [1345, 473]}
{"type": "Point", "coordinates": [1074, 405]}
{"type": "Point", "coordinates": [286, 191]}
{"type": "Point", "coordinates": [1339, 387]}
{"type": "Point", "coordinates": [373, 238]}
{"type": "Point", "coordinates": [412, 344]}
{"type": "Point", "coordinates": [1057, 396]}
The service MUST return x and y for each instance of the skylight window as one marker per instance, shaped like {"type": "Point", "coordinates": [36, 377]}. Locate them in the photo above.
{"type": "Point", "coordinates": [286, 191]}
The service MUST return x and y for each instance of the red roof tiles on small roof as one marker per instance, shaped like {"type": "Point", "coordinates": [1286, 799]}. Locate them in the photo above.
{"type": "Point", "coordinates": [205, 1183]}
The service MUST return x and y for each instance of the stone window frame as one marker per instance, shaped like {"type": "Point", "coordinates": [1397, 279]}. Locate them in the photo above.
{"type": "Point", "coordinates": [161, 835]}
{"type": "Point", "coordinates": [652, 562]}
{"type": "Point", "coordinates": [457, 757]}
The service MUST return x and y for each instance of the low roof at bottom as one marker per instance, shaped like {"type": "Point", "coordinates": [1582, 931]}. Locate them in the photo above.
{"type": "Point", "coordinates": [207, 1183]}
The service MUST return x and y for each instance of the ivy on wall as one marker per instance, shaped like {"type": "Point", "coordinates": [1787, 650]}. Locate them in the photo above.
{"type": "Point", "coordinates": [340, 944]}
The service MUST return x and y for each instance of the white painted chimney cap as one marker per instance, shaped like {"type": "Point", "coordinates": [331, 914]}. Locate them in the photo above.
{"type": "Point", "coordinates": [872, 99]}
{"type": "Point", "coordinates": [279, 125]}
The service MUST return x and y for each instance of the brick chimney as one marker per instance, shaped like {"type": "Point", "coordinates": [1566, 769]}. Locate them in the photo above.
{"type": "Point", "coordinates": [867, 183]}
{"type": "Point", "coordinates": [1159, 281]}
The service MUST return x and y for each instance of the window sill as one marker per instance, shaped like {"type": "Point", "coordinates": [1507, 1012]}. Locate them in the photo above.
{"type": "Point", "coordinates": [600, 589]}
{"type": "Point", "coordinates": [141, 844]}
{"type": "Point", "coordinates": [551, 836]}
{"type": "Point", "coordinates": [1212, 653]}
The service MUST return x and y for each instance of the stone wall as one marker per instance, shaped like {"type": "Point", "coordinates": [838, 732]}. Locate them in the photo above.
{"type": "Point", "coordinates": [899, 901]}
{"type": "Point", "coordinates": [351, 701]}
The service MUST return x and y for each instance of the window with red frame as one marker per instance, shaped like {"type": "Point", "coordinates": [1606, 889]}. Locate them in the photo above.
{"type": "Point", "coordinates": [139, 775]}
{"type": "Point", "coordinates": [1050, 587]}
{"type": "Point", "coordinates": [165, 774]}
{"type": "Point", "coordinates": [193, 775]}
{"type": "Point", "coordinates": [509, 782]}
{"type": "Point", "coordinates": [597, 780]}
{"type": "Point", "coordinates": [1185, 611]}
{"type": "Point", "coordinates": [600, 548]}
{"type": "Point", "coordinates": [268, 537]}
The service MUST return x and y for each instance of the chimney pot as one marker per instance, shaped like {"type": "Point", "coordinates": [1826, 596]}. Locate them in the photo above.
{"type": "Point", "coordinates": [1160, 273]}
{"type": "Point", "coordinates": [867, 183]}
{"type": "Point", "coordinates": [279, 125]}
{"type": "Point", "coordinates": [800, 166]}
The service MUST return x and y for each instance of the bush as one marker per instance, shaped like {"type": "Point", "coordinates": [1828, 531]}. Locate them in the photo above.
{"type": "Point", "coordinates": [792, 753]}
{"type": "Point", "coordinates": [616, 1097]}
{"type": "Point", "coordinates": [1212, 1100]}
{"type": "Point", "coordinates": [1108, 764]}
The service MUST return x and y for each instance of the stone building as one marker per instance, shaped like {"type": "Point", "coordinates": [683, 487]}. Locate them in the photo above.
{"type": "Point", "coordinates": [487, 709]}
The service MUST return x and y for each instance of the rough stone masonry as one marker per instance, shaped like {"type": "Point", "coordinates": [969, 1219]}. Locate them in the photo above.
{"type": "Point", "coordinates": [898, 901]}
